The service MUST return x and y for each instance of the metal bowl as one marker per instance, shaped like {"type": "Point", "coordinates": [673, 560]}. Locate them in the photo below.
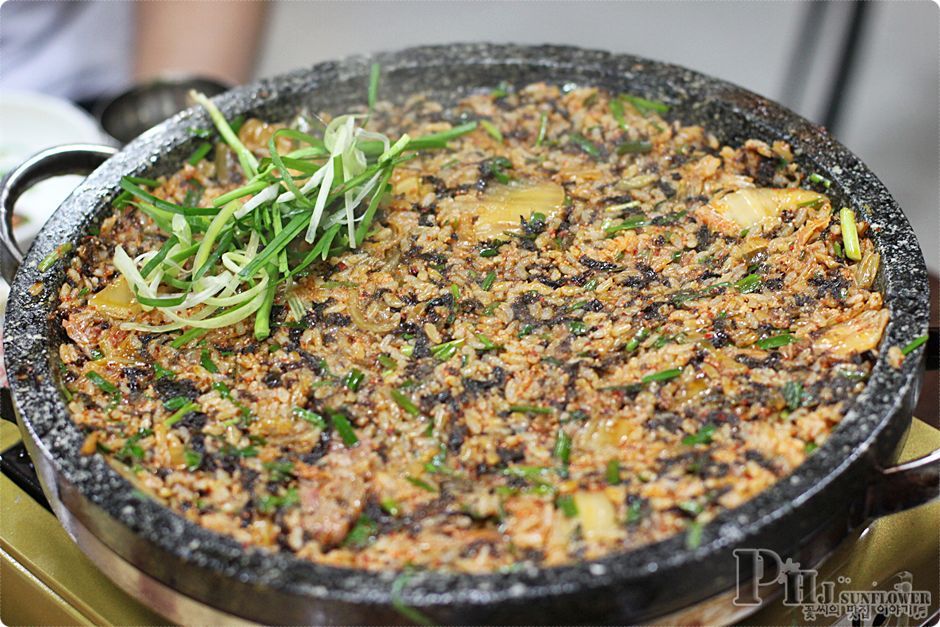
{"type": "Point", "coordinates": [142, 107]}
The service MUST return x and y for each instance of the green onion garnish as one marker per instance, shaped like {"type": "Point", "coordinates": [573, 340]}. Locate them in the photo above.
{"type": "Point", "coordinates": [159, 372]}
{"type": "Point", "coordinates": [488, 344]}
{"type": "Point", "coordinates": [914, 344]}
{"type": "Point", "coordinates": [691, 507]}
{"type": "Point", "coordinates": [543, 127]}
{"type": "Point", "coordinates": [344, 428]}
{"type": "Point", "coordinates": [635, 341]}
{"type": "Point", "coordinates": [373, 94]}
{"type": "Point", "coordinates": [776, 341]}
{"type": "Point", "coordinates": [634, 148]}
{"type": "Point", "coordinates": [562, 449]}
{"type": "Point", "coordinates": [199, 154]}
{"type": "Point", "coordinates": [326, 188]}
{"type": "Point", "coordinates": [176, 402]}
{"type": "Point", "coordinates": [390, 505]}
{"type": "Point", "coordinates": [180, 413]}
{"type": "Point", "coordinates": [850, 234]}
{"type": "Point", "coordinates": [140, 180]}
{"type": "Point", "coordinates": [820, 179]}
{"type": "Point", "coordinates": [634, 512]}
{"type": "Point", "coordinates": [567, 505]}
{"type": "Point", "coordinates": [103, 384]}
{"type": "Point", "coordinates": [529, 409]}
{"type": "Point", "coordinates": [491, 129]}
{"type": "Point", "coordinates": [612, 472]}
{"type": "Point", "coordinates": [405, 402]}
{"type": "Point", "coordinates": [645, 106]}
{"type": "Point", "coordinates": [704, 436]}
{"type": "Point", "coordinates": [793, 394]}
{"type": "Point", "coordinates": [447, 350]}
{"type": "Point", "coordinates": [192, 459]}
{"type": "Point", "coordinates": [420, 483]}
{"type": "Point", "coordinates": [693, 535]}
{"type": "Point", "coordinates": [750, 283]}
{"type": "Point", "coordinates": [54, 256]}
{"type": "Point", "coordinates": [387, 362]}
{"type": "Point", "coordinates": [488, 281]}
{"type": "Point", "coordinates": [585, 144]}
{"type": "Point", "coordinates": [363, 532]}
{"type": "Point", "coordinates": [633, 222]}
{"type": "Point", "coordinates": [663, 375]}
{"type": "Point", "coordinates": [616, 109]}
{"type": "Point", "coordinates": [353, 380]}
{"type": "Point", "coordinates": [187, 337]}
{"type": "Point", "coordinates": [312, 417]}
{"type": "Point", "coordinates": [207, 362]}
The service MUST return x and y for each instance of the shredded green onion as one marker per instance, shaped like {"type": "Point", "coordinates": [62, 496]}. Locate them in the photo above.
{"type": "Point", "coordinates": [775, 341]}
{"type": "Point", "coordinates": [180, 414]}
{"type": "Point", "coordinates": [221, 264]}
{"type": "Point", "coordinates": [308, 416]}
{"type": "Point", "coordinates": [491, 130]}
{"type": "Point", "coordinates": [447, 350]}
{"type": "Point", "coordinates": [405, 403]}
{"type": "Point", "coordinates": [663, 375]}
{"type": "Point", "coordinates": [914, 344]}
{"type": "Point", "coordinates": [850, 234]}
{"type": "Point", "coordinates": [543, 128]}
{"type": "Point", "coordinates": [529, 409]}
{"type": "Point", "coordinates": [345, 429]}
{"type": "Point", "coordinates": [567, 505]}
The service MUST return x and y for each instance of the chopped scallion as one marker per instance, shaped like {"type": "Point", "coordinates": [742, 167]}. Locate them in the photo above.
{"type": "Point", "coordinates": [447, 350]}
{"type": "Point", "coordinates": [312, 417]}
{"type": "Point", "coordinates": [344, 428]}
{"type": "Point", "coordinates": [663, 375]}
{"type": "Point", "coordinates": [543, 127]}
{"type": "Point", "coordinates": [420, 483]}
{"type": "Point", "coordinates": [491, 130]}
{"type": "Point", "coordinates": [180, 414]}
{"type": "Point", "coordinates": [585, 145]}
{"type": "Point", "coordinates": [354, 379]}
{"type": "Point", "coordinates": [207, 362]}
{"type": "Point", "coordinates": [914, 344]}
{"type": "Point", "coordinates": [403, 401]}
{"type": "Point", "coordinates": [850, 234]}
{"type": "Point", "coordinates": [703, 436]}
{"type": "Point", "coordinates": [488, 281]}
{"type": "Point", "coordinates": [612, 472]}
{"type": "Point", "coordinates": [567, 505]}
{"type": "Point", "coordinates": [775, 341]}
{"type": "Point", "coordinates": [529, 409]}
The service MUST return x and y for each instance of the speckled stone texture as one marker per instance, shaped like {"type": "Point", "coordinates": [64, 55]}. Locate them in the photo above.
{"type": "Point", "coordinates": [629, 587]}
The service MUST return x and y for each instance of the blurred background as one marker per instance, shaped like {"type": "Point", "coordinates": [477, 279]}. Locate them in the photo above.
{"type": "Point", "coordinates": [868, 71]}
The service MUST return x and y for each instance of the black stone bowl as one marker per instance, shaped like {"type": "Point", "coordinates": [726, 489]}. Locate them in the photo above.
{"type": "Point", "coordinates": [804, 515]}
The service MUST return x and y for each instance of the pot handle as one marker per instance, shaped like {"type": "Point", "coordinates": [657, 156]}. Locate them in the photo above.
{"type": "Point", "coordinates": [904, 486]}
{"type": "Point", "coordinates": [933, 348]}
{"type": "Point", "coordinates": [57, 161]}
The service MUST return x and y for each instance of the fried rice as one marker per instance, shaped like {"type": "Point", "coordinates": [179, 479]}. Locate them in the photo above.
{"type": "Point", "coordinates": [577, 331]}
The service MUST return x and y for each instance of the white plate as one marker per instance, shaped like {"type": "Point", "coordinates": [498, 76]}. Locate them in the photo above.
{"type": "Point", "coordinates": [29, 123]}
